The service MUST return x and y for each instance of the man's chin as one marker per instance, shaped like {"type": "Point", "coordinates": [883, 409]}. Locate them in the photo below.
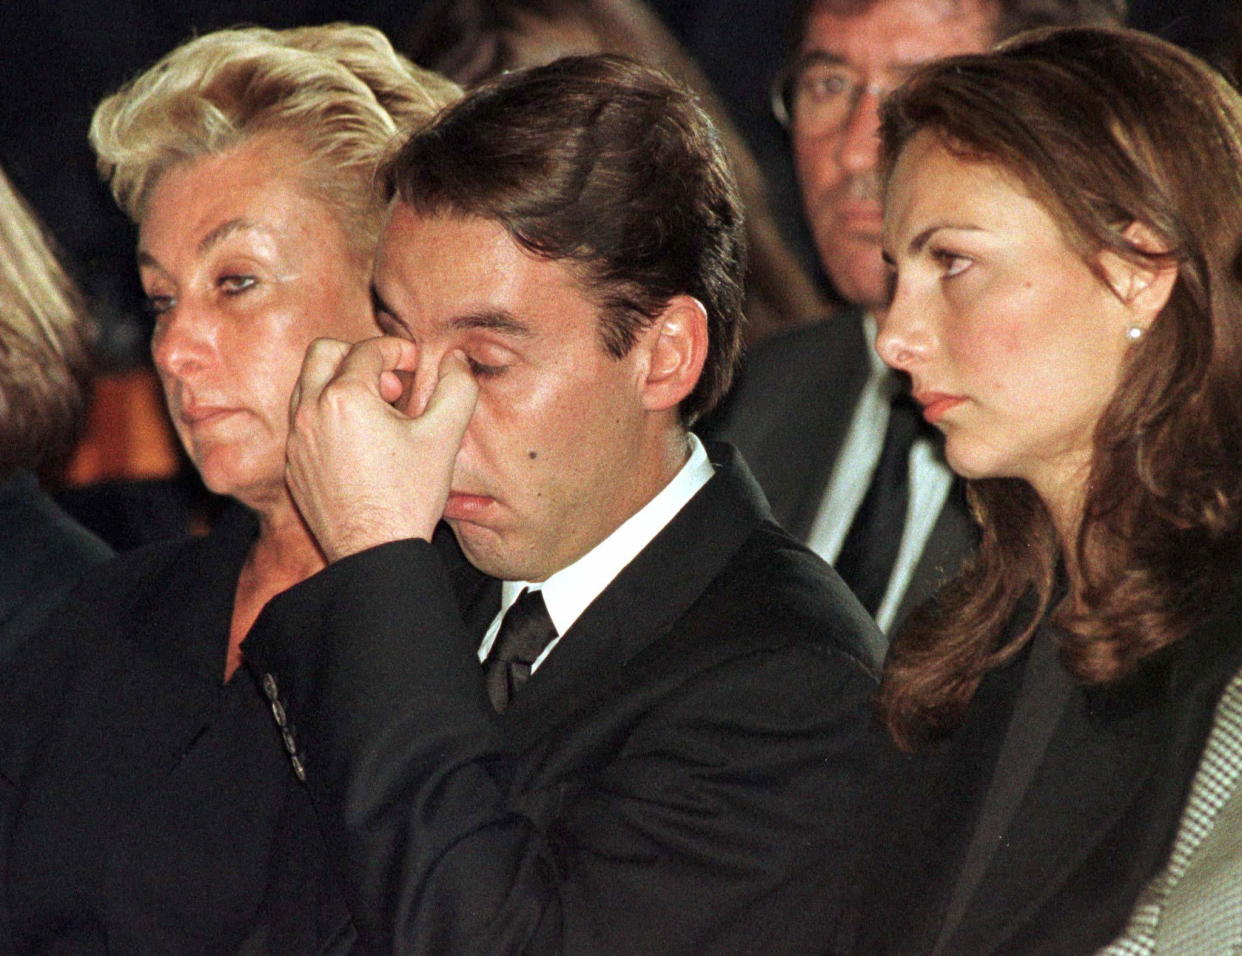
{"type": "Point", "coordinates": [856, 268]}
{"type": "Point", "coordinates": [495, 555]}
{"type": "Point", "coordinates": [479, 545]}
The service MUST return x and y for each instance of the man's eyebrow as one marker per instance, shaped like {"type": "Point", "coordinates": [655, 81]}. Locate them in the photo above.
{"type": "Point", "coordinates": [818, 57]}
{"type": "Point", "coordinates": [827, 58]}
{"type": "Point", "coordinates": [493, 320]}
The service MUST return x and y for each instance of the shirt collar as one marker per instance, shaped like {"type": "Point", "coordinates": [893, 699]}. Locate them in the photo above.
{"type": "Point", "coordinates": [569, 591]}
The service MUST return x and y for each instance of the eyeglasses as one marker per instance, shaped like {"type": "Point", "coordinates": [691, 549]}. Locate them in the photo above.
{"type": "Point", "coordinates": [819, 95]}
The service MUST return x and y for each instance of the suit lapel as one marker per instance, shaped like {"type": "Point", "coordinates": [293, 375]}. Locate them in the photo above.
{"type": "Point", "coordinates": [946, 795]}
{"type": "Point", "coordinates": [791, 410]}
{"type": "Point", "coordinates": [477, 595]}
{"type": "Point", "coordinates": [1114, 745]}
{"type": "Point", "coordinates": [829, 393]}
{"type": "Point", "coordinates": [954, 536]}
{"type": "Point", "coordinates": [643, 602]}
{"type": "Point", "coordinates": [191, 633]}
{"type": "Point", "coordinates": [179, 645]}
{"type": "Point", "coordinates": [1107, 757]}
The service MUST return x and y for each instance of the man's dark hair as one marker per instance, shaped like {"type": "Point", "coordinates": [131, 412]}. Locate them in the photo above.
{"type": "Point", "coordinates": [608, 165]}
{"type": "Point", "coordinates": [1014, 16]}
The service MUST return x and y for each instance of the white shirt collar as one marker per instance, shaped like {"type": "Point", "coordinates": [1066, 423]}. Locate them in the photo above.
{"type": "Point", "coordinates": [569, 591]}
{"type": "Point", "coordinates": [929, 482]}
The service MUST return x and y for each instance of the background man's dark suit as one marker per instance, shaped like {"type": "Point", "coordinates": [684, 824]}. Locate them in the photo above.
{"type": "Point", "coordinates": [679, 776]}
{"type": "Point", "coordinates": [789, 415]}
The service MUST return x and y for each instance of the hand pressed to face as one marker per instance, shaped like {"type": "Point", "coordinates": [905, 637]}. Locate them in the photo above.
{"type": "Point", "coordinates": [566, 441]}
{"type": "Point", "coordinates": [871, 52]}
{"type": "Point", "coordinates": [1013, 342]}
{"type": "Point", "coordinates": [244, 268]}
{"type": "Point", "coordinates": [362, 471]}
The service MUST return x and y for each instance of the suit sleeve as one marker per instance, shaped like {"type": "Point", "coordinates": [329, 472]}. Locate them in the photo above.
{"type": "Point", "coordinates": [717, 823]}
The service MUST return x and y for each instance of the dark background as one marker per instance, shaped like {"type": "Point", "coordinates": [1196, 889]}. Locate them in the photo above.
{"type": "Point", "coordinates": [59, 58]}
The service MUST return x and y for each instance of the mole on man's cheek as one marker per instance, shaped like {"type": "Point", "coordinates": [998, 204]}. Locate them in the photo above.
{"type": "Point", "coordinates": [532, 455]}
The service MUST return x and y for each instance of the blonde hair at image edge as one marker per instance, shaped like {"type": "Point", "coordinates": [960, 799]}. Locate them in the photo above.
{"type": "Point", "coordinates": [43, 342]}
{"type": "Point", "coordinates": [339, 91]}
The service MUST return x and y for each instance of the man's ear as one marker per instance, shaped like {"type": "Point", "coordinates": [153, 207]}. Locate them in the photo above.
{"type": "Point", "coordinates": [677, 348]}
{"type": "Point", "coordinates": [1142, 287]}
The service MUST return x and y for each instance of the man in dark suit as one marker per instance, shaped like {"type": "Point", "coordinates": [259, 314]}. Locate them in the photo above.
{"type": "Point", "coordinates": [832, 435]}
{"type": "Point", "coordinates": [661, 751]}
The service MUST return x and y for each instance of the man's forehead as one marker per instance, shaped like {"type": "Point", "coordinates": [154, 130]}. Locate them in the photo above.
{"type": "Point", "coordinates": [899, 32]}
{"type": "Point", "coordinates": [847, 9]}
{"type": "Point", "coordinates": [456, 255]}
{"type": "Point", "coordinates": [462, 266]}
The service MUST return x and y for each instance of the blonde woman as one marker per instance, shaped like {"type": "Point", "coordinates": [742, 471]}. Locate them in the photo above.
{"type": "Point", "coordinates": [43, 363]}
{"type": "Point", "coordinates": [159, 811]}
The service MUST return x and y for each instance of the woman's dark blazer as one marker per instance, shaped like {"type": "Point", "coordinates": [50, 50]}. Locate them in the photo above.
{"type": "Point", "coordinates": [147, 807]}
{"type": "Point", "coordinates": [1094, 826]}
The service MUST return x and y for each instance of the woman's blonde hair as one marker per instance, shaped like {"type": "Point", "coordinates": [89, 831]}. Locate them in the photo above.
{"type": "Point", "coordinates": [43, 342]}
{"type": "Point", "coordinates": [340, 92]}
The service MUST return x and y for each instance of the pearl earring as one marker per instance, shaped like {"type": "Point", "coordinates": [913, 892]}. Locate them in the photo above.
{"type": "Point", "coordinates": [1134, 333]}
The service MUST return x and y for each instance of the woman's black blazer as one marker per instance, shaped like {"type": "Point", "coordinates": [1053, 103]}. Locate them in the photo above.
{"type": "Point", "coordinates": [146, 806]}
{"type": "Point", "coordinates": [1094, 825]}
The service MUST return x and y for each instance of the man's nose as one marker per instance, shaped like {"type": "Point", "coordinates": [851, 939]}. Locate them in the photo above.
{"type": "Point", "coordinates": [858, 149]}
{"type": "Point", "coordinates": [426, 377]}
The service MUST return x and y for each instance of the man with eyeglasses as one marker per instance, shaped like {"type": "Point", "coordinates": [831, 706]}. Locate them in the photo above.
{"type": "Point", "coordinates": [837, 444]}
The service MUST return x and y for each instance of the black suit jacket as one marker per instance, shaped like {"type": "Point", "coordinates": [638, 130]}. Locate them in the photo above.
{"type": "Point", "coordinates": [146, 806]}
{"type": "Point", "coordinates": [1095, 825]}
{"type": "Point", "coordinates": [679, 776]}
{"type": "Point", "coordinates": [789, 415]}
{"type": "Point", "coordinates": [43, 554]}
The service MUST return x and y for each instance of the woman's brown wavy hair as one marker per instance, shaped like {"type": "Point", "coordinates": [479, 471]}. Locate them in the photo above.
{"type": "Point", "coordinates": [1105, 128]}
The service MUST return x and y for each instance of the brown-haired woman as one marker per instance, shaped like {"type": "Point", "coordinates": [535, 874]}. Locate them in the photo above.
{"type": "Point", "coordinates": [1061, 217]}
{"type": "Point", "coordinates": [153, 806]}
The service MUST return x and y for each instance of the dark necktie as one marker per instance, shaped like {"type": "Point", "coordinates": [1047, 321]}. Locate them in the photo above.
{"type": "Point", "coordinates": [524, 633]}
{"type": "Point", "coordinates": [870, 548]}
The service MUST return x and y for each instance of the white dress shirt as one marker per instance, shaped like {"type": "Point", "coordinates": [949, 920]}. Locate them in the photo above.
{"type": "Point", "coordinates": [569, 591]}
{"type": "Point", "coordinates": [929, 483]}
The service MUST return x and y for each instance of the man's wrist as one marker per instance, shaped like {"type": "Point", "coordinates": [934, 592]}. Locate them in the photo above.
{"type": "Point", "coordinates": [351, 538]}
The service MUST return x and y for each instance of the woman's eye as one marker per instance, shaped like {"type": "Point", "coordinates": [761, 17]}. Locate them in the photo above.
{"type": "Point", "coordinates": [232, 285]}
{"type": "Point", "coordinates": [951, 263]}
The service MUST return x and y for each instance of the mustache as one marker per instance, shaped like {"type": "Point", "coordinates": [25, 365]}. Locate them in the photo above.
{"type": "Point", "coordinates": [864, 187]}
